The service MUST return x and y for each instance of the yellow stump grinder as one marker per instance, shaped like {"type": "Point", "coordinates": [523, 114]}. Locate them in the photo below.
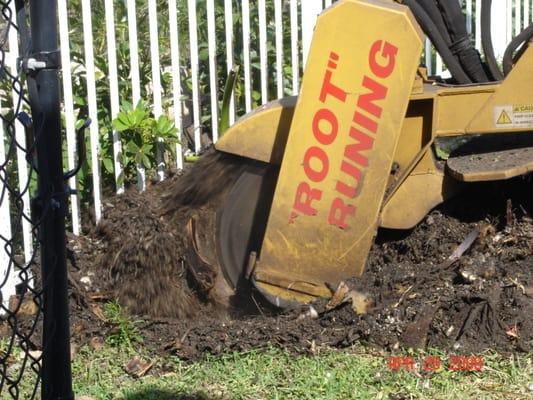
{"type": "Point", "coordinates": [371, 141]}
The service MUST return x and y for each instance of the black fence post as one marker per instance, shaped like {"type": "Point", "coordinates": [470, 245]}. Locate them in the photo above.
{"type": "Point", "coordinates": [43, 84]}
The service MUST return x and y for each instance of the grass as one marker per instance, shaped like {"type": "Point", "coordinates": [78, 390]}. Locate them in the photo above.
{"type": "Point", "coordinates": [356, 373]}
{"type": "Point", "coordinates": [126, 333]}
{"type": "Point", "coordinates": [274, 374]}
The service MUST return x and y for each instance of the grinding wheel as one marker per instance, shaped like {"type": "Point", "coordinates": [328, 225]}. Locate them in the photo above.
{"type": "Point", "coordinates": [242, 219]}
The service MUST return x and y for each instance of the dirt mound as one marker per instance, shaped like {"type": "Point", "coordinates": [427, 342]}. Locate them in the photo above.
{"type": "Point", "coordinates": [142, 259]}
{"type": "Point", "coordinates": [479, 301]}
{"type": "Point", "coordinates": [482, 299]}
{"type": "Point", "coordinates": [144, 263]}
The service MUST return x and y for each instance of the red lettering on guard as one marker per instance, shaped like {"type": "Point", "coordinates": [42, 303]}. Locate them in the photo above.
{"type": "Point", "coordinates": [325, 127]}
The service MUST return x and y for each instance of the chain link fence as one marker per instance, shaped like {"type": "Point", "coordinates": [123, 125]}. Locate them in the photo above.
{"type": "Point", "coordinates": [21, 296]}
{"type": "Point", "coordinates": [27, 333]}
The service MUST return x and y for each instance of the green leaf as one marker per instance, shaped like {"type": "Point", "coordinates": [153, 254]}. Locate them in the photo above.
{"type": "Point", "coordinates": [146, 161]}
{"type": "Point", "coordinates": [163, 124]}
{"type": "Point", "coordinates": [226, 100]}
{"type": "Point", "coordinates": [79, 101]}
{"type": "Point", "coordinates": [120, 126]}
{"type": "Point", "coordinates": [132, 147]}
{"type": "Point", "coordinates": [192, 158]}
{"type": "Point", "coordinates": [441, 153]}
{"type": "Point", "coordinates": [79, 123]}
{"type": "Point", "coordinates": [126, 106]}
{"type": "Point", "coordinates": [120, 179]}
{"type": "Point", "coordinates": [203, 55]}
{"type": "Point", "coordinates": [108, 165]}
{"type": "Point", "coordinates": [123, 121]}
{"type": "Point", "coordinates": [165, 129]}
{"type": "Point", "coordinates": [146, 147]}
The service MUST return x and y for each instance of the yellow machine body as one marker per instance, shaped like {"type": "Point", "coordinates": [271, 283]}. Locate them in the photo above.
{"type": "Point", "coordinates": [360, 115]}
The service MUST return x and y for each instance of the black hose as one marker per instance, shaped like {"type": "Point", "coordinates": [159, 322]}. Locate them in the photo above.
{"type": "Point", "coordinates": [430, 7]}
{"type": "Point", "coordinates": [461, 45]}
{"type": "Point", "coordinates": [430, 29]}
{"type": "Point", "coordinates": [486, 40]}
{"type": "Point", "coordinates": [524, 36]}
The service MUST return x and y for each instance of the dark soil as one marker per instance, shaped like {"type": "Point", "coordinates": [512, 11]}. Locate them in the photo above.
{"type": "Point", "coordinates": [484, 299]}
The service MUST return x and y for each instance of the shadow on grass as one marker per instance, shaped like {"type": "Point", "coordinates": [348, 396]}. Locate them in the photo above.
{"type": "Point", "coordinates": [165, 394]}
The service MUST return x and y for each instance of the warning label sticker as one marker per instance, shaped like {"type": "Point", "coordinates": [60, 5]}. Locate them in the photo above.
{"type": "Point", "coordinates": [513, 116]}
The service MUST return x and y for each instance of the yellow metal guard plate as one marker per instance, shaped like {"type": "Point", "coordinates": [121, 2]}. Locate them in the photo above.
{"type": "Point", "coordinates": [345, 129]}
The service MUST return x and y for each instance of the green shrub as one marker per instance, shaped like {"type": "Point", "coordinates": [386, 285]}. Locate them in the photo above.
{"type": "Point", "coordinates": [140, 134]}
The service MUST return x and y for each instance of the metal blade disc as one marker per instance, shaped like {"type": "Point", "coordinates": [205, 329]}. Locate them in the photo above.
{"type": "Point", "coordinates": [242, 219]}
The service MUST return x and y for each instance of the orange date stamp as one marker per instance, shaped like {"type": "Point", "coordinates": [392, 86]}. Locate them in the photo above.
{"type": "Point", "coordinates": [435, 363]}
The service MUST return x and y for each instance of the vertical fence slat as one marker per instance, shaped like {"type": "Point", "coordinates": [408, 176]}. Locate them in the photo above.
{"type": "Point", "coordinates": [134, 53]}
{"type": "Point", "coordinates": [113, 88]}
{"type": "Point", "coordinates": [228, 19]}
{"type": "Point", "coordinates": [294, 46]}
{"type": "Point", "coordinates": [8, 280]}
{"type": "Point", "coordinates": [20, 136]}
{"type": "Point", "coordinates": [91, 99]}
{"type": "Point", "coordinates": [478, 25]}
{"type": "Point", "coordinates": [526, 14]}
{"type": "Point", "coordinates": [156, 80]}
{"type": "Point", "coordinates": [310, 11]}
{"type": "Point", "coordinates": [246, 54]}
{"type": "Point", "coordinates": [429, 56]}
{"type": "Point", "coordinates": [193, 41]}
{"type": "Point", "coordinates": [176, 76]}
{"type": "Point", "coordinates": [70, 123]}
{"type": "Point", "coordinates": [263, 56]}
{"type": "Point", "coordinates": [211, 38]}
{"type": "Point", "coordinates": [135, 75]}
{"type": "Point", "coordinates": [469, 16]}
{"type": "Point", "coordinates": [278, 22]}
{"type": "Point", "coordinates": [509, 22]}
{"type": "Point", "coordinates": [438, 65]}
{"type": "Point", "coordinates": [518, 17]}
{"type": "Point", "coordinates": [154, 55]}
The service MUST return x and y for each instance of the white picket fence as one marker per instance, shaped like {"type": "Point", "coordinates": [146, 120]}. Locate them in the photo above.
{"type": "Point", "coordinates": [508, 16]}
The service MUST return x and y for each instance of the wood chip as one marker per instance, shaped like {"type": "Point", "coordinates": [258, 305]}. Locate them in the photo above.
{"type": "Point", "coordinates": [361, 302]}
{"type": "Point", "coordinates": [512, 332]}
{"type": "Point", "coordinates": [97, 310]}
{"type": "Point", "coordinates": [464, 246]}
{"type": "Point", "coordinates": [338, 297]}
{"type": "Point", "coordinates": [137, 367]}
{"type": "Point", "coordinates": [96, 343]}
{"type": "Point", "coordinates": [35, 354]}
{"type": "Point", "coordinates": [27, 308]}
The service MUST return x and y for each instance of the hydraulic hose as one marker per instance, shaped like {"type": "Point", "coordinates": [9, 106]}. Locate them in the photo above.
{"type": "Point", "coordinates": [524, 36]}
{"type": "Point", "coordinates": [430, 7]}
{"type": "Point", "coordinates": [461, 45]}
{"type": "Point", "coordinates": [430, 29]}
{"type": "Point", "coordinates": [486, 40]}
